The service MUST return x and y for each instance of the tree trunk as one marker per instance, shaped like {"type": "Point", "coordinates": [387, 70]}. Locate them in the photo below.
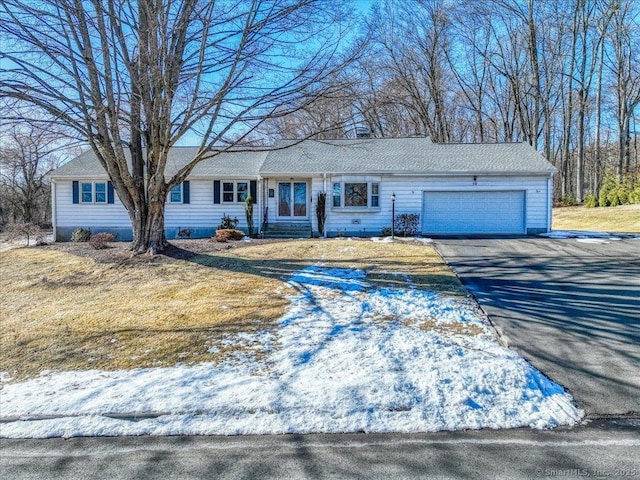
{"type": "Point", "coordinates": [148, 229]}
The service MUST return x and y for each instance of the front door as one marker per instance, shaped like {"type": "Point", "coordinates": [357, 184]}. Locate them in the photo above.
{"type": "Point", "coordinates": [292, 200]}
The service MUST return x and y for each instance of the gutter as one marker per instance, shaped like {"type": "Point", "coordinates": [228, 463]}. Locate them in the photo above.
{"type": "Point", "coordinates": [417, 174]}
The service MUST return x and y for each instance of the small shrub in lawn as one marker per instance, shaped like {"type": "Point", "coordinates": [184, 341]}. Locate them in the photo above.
{"type": "Point", "coordinates": [386, 232]}
{"type": "Point", "coordinates": [81, 235]}
{"type": "Point", "coordinates": [100, 240]}
{"type": "Point", "coordinates": [228, 223]}
{"type": "Point", "coordinates": [26, 230]}
{"type": "Point", "coordinates": [223, 235]}
{"type": "Point", "coordinates": [590, 201]}
{"type": "Point", "coordinates": [406, 224]}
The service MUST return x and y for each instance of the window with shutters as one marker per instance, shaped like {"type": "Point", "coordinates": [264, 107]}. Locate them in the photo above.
{"type": "Point", "coordinates": [93, 192]}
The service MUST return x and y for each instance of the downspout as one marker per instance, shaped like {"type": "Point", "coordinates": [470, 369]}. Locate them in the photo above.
{"type": "Point", "coordinates": [549, 202]}
{"type": "Point", "coordinates": [265, 202]}
{"type": "Point", "coordinates": [53, 208]}
{"type": "Point", "coordinates": [326, 210]}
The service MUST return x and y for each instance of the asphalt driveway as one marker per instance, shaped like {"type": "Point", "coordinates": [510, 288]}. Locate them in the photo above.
{"type": "Point", "coordinates": [570, 307]}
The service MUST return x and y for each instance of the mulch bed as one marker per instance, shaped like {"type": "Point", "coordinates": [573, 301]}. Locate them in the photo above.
{"type": "Point", "coordinates": [119, 253]}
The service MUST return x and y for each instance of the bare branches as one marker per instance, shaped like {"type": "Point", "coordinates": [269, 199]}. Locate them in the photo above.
{"type": "Point", "coordinates": [139, 75]}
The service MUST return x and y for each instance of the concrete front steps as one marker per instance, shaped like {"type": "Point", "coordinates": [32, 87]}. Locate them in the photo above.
{"type": "Point", "coordinates": [288, 230]}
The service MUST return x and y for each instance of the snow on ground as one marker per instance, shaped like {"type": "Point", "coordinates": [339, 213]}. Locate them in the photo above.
{"type": "Point", "coordinates": [401, 239]}
{"type": "Point", "coordinates": [346, 357]}
{"type": "Point", "coordinates": [581, 235]}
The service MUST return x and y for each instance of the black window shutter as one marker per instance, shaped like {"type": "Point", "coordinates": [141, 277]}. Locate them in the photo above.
{"type": "Point", "coordinates": [216, 191]}
{"type": "Point", "coordinates": [76, 192]}
{"type": "Point", "coordinates": [186, 194]}
{"type": "Point", "coordinates": [110, 197]}
{"type": "Point", "coordinates": [253, 187]}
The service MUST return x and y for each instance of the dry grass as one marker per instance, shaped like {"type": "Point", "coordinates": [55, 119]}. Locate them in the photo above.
{"type": "Point", "coordinates": [67, 307]}
{"type": "Point", "coordinates": [622, 219]}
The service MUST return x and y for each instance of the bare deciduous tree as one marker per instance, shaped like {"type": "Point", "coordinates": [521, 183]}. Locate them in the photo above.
{"type": "Point", "coordinates": [27, 155]}
{"type": "Point", "coordinates": [134, 77]}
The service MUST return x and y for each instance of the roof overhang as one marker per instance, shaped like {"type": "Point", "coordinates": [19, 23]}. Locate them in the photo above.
{"type": "Point", "coordinates": [415, 174]}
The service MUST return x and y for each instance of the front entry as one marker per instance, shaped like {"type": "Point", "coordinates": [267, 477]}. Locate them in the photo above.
{"type": "Point", "coordinates": [292, 200]}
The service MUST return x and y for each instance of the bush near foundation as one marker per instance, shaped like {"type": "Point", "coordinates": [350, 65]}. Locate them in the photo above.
{"type": "Point", "coordinates": [100, 240]}
{"type": "Point", "coordinates": [81, 235]}
{"type": "Point", "coordinates": [224, 235]}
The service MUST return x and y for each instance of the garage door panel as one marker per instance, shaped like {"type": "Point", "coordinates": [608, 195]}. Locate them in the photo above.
{"type": "Point", "coordinates": [473, 212]}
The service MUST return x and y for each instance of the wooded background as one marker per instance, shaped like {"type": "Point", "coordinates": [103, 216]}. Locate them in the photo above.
{"type": "Point", "coordinates": [561, 75]}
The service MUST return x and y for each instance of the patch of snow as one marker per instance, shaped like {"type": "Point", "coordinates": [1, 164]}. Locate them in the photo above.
{"type": "Point", "coordinates": [581, 235]}
{"type": "Point", "coordinates": [347, 357]}
{"type": "Point", "coordinates": [591, 240]}
{"type": "Point", "coordinates": [401, 239]}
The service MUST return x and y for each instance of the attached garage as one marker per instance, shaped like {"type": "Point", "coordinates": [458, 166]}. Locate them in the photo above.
{"type": "Point", "coordinates": [476, 212]}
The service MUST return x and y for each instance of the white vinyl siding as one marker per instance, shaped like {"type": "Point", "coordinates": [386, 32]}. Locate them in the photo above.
{"type": "Point", "coordinates": [200, 212]}
{"type": "Point", "coordinates": [69, 214]}
{"type": "Point", "coordinates": [409, 198]}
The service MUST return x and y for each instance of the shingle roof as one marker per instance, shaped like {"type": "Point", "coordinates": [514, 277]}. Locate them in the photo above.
{"type": "Point", "coordinates": [356, 156]}
{"type": "Point", "coordinates": [224, 164]}
{"type": "Point", "coordinates": [403, 155]}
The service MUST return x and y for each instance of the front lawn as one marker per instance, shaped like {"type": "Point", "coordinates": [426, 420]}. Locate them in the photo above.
{"type": "Point", "coordinates": [621, 219]}
{"type": "Point", "coordinates": [362, 345]}
{"type": "Point", "coordinates": [69, 307]}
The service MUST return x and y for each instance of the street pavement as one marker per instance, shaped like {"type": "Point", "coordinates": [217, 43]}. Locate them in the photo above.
{"type": "Point", "coordinates": [608, 449]}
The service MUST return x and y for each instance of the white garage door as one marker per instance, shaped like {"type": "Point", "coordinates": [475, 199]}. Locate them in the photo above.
{"type": "Point", "coordinates": [473, 212]}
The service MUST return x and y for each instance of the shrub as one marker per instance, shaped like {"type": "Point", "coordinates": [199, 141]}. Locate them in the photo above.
{"type": "Point", "coordinates": [590, 201]}
{"type": "Point", "coordinates": [228, 223]}
{"type": "Point", "coordinates": [223, 235]}
{"type": "Point", "coordinates": [81, 235]}
{"type": "Point", "coordinates": [406, 224]}
{"type": "Point", "coordinates": [623, 194]}
{"type": "Point", "coordinates": [321, 212]}
{"type": "Point", "coordinates": [248, 212]}
{"type": "Point", "coordinates": [386, 232]}
{"type": "Point", "coordinates": [613, 198]}
{"type": "Point", "coordinates": [100, 240]}
{"type": "Point", "coordinates": [614, 192]}
{"type": "Point", "coordinates": [634, 195]}
{"type": "Point", "coordinates": [26, 230]}
{"type": "Point", "coordinates": [568, 200]}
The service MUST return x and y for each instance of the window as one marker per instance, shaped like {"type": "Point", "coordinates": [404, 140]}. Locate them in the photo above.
{"type": "Point", "coordinates": [234, 192]}
{"type": "Point", "coordinates": [375, 195]}
{"type": "Point", "coordinates": [94, 192]}
{"type": "Point", "coordinates": [175, 194]}
{"type": "Point", "coordinates": [355, 194]}
{"type": "Point", "coordinates": [87, 192]}
{"type": "Point", "coordinates": [227, 191]}
{"type": "Point", "coordinates": [242, 191]}
{"type": "Point", "coordinates": [337, 197]}
{"type": "Point", "coordinates": [101, 193]}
